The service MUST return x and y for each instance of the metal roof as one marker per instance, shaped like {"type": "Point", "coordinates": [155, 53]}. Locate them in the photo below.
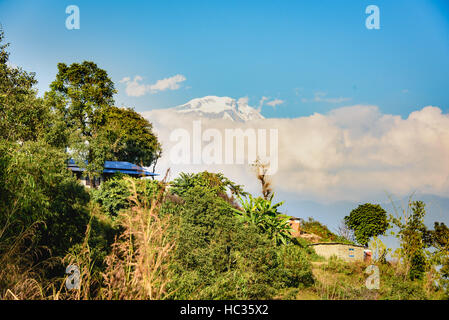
{"type": "Point", "coordinates": [116, 166]}
{"type": "Point", "coordinates": [336, 243]}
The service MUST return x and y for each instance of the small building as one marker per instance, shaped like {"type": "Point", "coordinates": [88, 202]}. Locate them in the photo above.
{"type": "Point", "coordinates": [344, 251]}
{"type": "Point", "coordinates": [295, 224]}
{"type": "Point", "coordinates": [296, 232]}
{"type": "Point", "coordinates": [110, 168]}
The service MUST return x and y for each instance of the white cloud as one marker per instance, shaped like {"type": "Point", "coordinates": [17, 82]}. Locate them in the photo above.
{"type": "Point", "coordinates": [353, 153]}
{"type": "Point", "coordinates": [272, 103]}
{"type": "Point", "coordinates": [275, 102]}
{"type": "Point", "coordinates": [171, 83]}
{"type": "Point", "coordinates": [322, 97]}
{"type": "Point", "coordinates": [135, 88]}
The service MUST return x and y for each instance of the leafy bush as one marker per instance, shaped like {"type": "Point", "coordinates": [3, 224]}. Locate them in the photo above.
{"type": "Point", "coordinates": [216, 182]}
{"type": "Point", "coordinates": [113, 195]}
{"type": "Point", "coordinates": [297, 268]}
{"type": "Point", "coordinates": [219, 257]}
{"type": "Point", "coordinates": [417, 266]}
{"type": "Point", "coordinates": [37, 187]}
{"type": "Point", "coordinates": [264, 215]}
{"type": "Point", "coordinates": [406, 290]}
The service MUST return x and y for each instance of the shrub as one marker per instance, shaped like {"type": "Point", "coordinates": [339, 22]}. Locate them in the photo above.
{"type": "Point", "coordinates": [406, 290]}
{"type": "Point", "coordinates": [417, 266]}
{"type": "Point", "coordinates": [218, 257]}
{"type": "Point", "coordinates": [37, 187]}
{"type": "Point", "coordinates": [113, 195]}
{"type": "Point", "coordinates": [297, 268]}
{"type": "Point", "coordinates": [264, 215]}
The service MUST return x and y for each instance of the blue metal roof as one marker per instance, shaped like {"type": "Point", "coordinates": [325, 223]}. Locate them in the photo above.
{"type": "Point", "coordinates": [116, 166]}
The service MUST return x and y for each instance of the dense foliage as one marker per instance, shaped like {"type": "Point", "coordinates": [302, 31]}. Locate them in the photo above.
{"type": "Point", "coordinates": [145, 239]}
{"type": "Point", "coordinates": [367, 220]}
{"type": "Point", "coordinates": [265, 216]}
{"type": "Point", "coordinates": [412, 234]}
{"type": "Point", "coordinates": [37, 187]}
{"type": "Point", "coordinates": [23, 115]}
{"type": "Point", "coordinates": [130, 137]}
{"type": "Point", "coordinates": [95, 130]}
{"type": "Point", "coordinates": [219, 257]}
{"type": "Point", "coordinates": [113, 195]}
{"type": "Point", "coordinates": [214, 181]}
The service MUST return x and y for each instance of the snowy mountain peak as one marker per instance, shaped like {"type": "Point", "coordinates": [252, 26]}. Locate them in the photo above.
{"type": "Point", "coordinates": [213, 107]}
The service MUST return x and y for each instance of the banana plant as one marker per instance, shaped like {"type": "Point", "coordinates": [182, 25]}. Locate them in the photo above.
{"type": "Point", "coordinates": [265, 215]}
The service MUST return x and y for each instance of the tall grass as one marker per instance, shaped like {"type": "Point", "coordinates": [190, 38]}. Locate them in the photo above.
{"type": "Point", "coordinates": [19, 276]}
{"type": "Point", "coordinates": [137, 267]}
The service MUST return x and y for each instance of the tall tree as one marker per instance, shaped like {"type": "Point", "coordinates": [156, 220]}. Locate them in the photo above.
{"type": "Point", "coordinates": [80, 94]}
{"type": "Point", "coordinates": [413, 236]}
{"type": "Point", "coordinates": [22, 115]}
{"type": "Point", "coordinates": [438, 239]}
{"type": "Point", "coordinates": [130, 136]}
{"type": "Point", "coordinates": [36, 189]}
{"type": "Point", "coordinates": [367, 220]}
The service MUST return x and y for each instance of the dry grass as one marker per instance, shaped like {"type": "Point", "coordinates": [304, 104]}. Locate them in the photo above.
{"type": "Point", "coordinates": [19, 279]}
{"type": "Point", "coordinates": [339, 280]}
{"type": "Point", "coordinates": [83, 260]}
{"type": "Point", "coordinates": [137, 268]}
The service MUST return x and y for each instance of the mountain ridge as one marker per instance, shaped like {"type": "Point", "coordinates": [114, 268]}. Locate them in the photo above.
{"type": "Point", "coordinates": [214, 107]}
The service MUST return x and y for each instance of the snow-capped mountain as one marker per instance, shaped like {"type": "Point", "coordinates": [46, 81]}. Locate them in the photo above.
{"type": "Point", "coordinates": [213, 107]}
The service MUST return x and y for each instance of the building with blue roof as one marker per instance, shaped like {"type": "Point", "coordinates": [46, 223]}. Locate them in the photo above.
{"type": "Point", "coordinates": [110, 168]}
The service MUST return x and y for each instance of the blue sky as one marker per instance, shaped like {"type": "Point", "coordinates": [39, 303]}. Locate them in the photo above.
{"type": "Point", "coordinates": [289, 50]}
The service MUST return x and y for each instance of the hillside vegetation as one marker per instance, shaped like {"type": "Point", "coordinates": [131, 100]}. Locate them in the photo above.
{"type": "Point", "coordinates": [199, 236]}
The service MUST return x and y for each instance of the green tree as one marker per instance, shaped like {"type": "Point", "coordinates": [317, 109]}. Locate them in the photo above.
{"type": "Point", "coordinates": [35, 185]}
{"type": "Point", "coordinates": [367, 220]}
{"type": "Point", "coordinates": [130, 137]}
{"type": "Point", "coordinates": [412, 234]}
{"type": "Point", "coordinates": [438, 239]}
{"type": "Point", "coordinates": [80, 94]}
{"type": "Point", "coordinates": [23, 116]}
